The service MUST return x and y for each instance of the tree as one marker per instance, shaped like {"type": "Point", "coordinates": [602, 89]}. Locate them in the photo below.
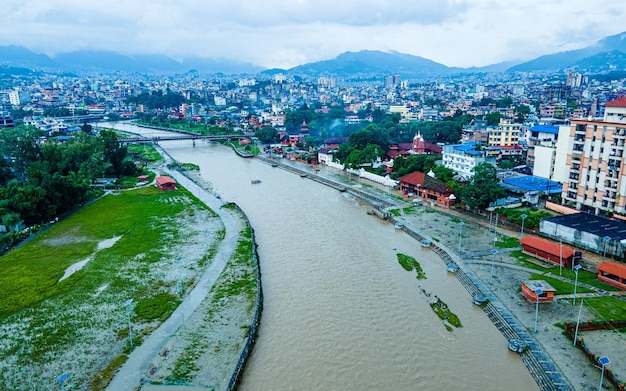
{"type": "Point", "coordinates": [504, 102]}
{"type": "Point", "coordinates": [85, 127]}
{"type": "Point", "coordinates": [372, 134]}
{"type": "Point", "coordinates": [521, 113]}
{"type": "Point", "coordinates": [114, 152]}
{"type": "Point", "coordinates": [483, 187]}
{"type": "Point", "coordinates": [20, 143]}
{"type": "Point", "coordinates": [443, 173]}
{"type": "Point", "coordinates": [267, 134]}
{"type": "Point", "coordinates": [493, 118]}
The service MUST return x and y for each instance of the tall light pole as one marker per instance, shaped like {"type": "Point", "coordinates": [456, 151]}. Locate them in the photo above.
{"type": "Point", "coordinates": [521, 234]}
{"type": "Point", "coordinates": [576, 269]}
{"type": "Point", "coordinates": [538, 292]}
{"type": "Point", "coordinates": [604, 361]}
{"type": "Point", "coordinates": [493, 260]}
{"type": "Point", "coordinates": [606, 242]}
{"type": "Point", "coordinates": [180, 281]}
{"type": "Point", "coordinates": [561, 256]}
{"type": "Point", "coordinates": [461, 224]}
{"type": "Point", "coordinates": [495, 231]}
{"type": "Point", "coordinates": [578, 321]}
{"type": "Point", "coordinates": [129, 310]}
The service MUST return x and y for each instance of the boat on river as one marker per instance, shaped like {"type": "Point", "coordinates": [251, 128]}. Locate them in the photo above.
{"type": "Point", "coordinates": [426, 243]}
{"type": "Point", "coordinates": [255, 181]}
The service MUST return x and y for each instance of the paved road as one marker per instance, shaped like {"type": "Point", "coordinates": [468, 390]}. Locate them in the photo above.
{"type": "Point", "coordinates": [130, 374]}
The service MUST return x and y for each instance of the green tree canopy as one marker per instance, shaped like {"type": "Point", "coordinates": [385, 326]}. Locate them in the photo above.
{"type": "Point", "coordinates": [493, 118]}
{"type": "Point", "coordinates": [483, 187]}
{"type": "Point", "coordinates": [267, 134]}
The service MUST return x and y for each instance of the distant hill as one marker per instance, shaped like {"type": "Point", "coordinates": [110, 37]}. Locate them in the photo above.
{"type": "Point", "coordinates": [373, 62]}
{"type": "Point", "coordinates": [589, 59]}
{"type": "Point", "coordinates": [91, 61]}
{"type": "Point", "coordinates": [606, 55]}
{"type": "Point", "coordinates": [18, 56]}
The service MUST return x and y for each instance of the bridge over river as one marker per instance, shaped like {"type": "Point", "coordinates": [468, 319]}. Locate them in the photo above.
{"type": "Point", "coordinates": [186, 136]}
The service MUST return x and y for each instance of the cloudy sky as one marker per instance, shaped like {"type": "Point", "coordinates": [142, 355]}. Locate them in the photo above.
{"type": "Point", "coordinates": [286, 33]}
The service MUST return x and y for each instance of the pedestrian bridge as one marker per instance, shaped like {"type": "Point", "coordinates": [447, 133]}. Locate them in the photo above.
{"type": "Point", "coordinates": [158, 139]}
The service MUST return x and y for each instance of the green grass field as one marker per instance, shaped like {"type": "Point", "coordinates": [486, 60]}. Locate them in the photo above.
{"type": "Point", "coordinates": [131, 240]}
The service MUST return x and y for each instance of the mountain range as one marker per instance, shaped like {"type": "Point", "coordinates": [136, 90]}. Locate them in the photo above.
{"type": "Point", "coordinates": [607, 54]}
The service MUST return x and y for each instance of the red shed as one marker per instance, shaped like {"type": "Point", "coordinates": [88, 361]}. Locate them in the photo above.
{"type": "Point", "coordinates": [530, 287]}
{"type": "Point", "coordinates": [612, 273]}
{"type": "Point", "coordinates": [165, 183]}
{"type": "Point", "coordinates": [549, 251]}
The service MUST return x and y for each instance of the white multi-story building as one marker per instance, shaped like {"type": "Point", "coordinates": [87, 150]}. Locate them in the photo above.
{"type": "Point", "coordinates": [462, 158]}
{"type": "Point", "coordinates": [595, 167]}
{"type": "Point", "coordinates": [19, 97]}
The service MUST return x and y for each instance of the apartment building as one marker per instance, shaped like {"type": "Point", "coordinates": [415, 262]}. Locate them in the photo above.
{"type": "Point", "coordinates": [595, 174]}
{"type": "Point", "coordinates": [462, 158]}
{"type": "Point", "coordinates": [505, 135]}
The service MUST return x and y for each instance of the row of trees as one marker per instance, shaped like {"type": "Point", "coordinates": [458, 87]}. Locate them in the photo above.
{"type": "Point", "coordinates": [39, 181]}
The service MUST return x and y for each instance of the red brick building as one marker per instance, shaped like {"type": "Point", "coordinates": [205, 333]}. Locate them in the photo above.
{"type": "Point", "coordinates": [530, 287]}
{"type": "Point", "coordinates": [165, 183]}
{"type": "Point", "coordinates": [549, 251]}
{"type": "Point", "coordinates": [612, 273]}
{"type": "Point", "coordinates": [427, 187]}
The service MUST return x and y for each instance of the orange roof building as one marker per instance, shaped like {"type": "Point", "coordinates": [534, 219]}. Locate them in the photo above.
{"type": "Point", "coordinates": [165, 183]}
{"type": "Point", "coordinates": [612, 273]}
{"type": "Point", "coordinates": [530, 288]}
{"type": "Point", "coordinates": [550, 251]}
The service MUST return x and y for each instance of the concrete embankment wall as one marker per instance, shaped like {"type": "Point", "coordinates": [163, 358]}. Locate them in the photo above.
{"type": "Point", "coordinates": [540, 365]}
{"type": "Point", "coordinates": [256, 319]}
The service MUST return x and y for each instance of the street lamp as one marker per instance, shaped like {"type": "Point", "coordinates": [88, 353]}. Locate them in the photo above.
{"type": "Point", "coordinates": [180, 281]}
{"type": "Point", "coordinates": [495, 231]}
{"type": "Point", "coordinates": [606, 242]}
{"type": "Point", "coordinates": [493, 260]}
{"type": "Point", "coordinates": [578, 321]}
{"type": "Point", "coordinates": [538, 292]}
{"type": "Point", "coordinates": [521, 234]}
{"type": "Point", "coordinates": [461, 224]}
{"type": "Point", "coordinates": [604, 360]}
{"type": "Point", "coordinates": [62, 380]}
{"type": "Point", "coordinates": [129, 310]}
{"type": "Point", "coordinates": [561, 256]}
{"type": "Point", "coordinates": [576, 269]}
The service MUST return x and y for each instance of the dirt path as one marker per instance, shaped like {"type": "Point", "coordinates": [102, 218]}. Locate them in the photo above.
{"type": "Point", "coordinates": [130, 375]}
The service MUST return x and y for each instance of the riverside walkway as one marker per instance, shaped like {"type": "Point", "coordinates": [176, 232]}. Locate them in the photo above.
{"type": "Point", "coordinates": [540, 365]}
{"type": "Point", "coordinates": [130, 375]}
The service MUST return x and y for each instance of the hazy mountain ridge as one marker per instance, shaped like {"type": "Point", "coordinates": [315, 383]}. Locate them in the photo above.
{"type": "Point", "coordinates": [589, 59]}
{"type": "Point", "coordinates": [607, 54]}
{"type": "Point", "coordinates": [93, 61]}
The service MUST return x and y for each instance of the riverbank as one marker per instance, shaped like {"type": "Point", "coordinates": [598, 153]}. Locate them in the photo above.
{"type": "Point", "coordinates": [476, 239]}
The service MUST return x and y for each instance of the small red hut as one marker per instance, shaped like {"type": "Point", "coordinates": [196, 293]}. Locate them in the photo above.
{"type": "Point", "coordinates": [165, 183]}
{"type": "Point", "coordinates": [530, 287]}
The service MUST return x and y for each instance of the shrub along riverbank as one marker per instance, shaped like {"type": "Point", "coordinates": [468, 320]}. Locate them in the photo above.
{"type": "Point", "coordinates": [119, 248]}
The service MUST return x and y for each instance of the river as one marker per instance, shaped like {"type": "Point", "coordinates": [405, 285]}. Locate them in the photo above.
{"type": "Point", "coordinates": [340, 313]}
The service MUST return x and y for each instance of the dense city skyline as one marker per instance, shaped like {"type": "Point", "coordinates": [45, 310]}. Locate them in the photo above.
{"type": "Point", "coordinates": [461, 33]}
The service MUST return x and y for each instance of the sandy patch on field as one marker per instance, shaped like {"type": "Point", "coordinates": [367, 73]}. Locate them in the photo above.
{"type": "Point", "coordinates": [108, 243]}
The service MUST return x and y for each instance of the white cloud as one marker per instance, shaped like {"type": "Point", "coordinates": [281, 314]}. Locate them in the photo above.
{"type": "Point", "coordinates": [286, 33]}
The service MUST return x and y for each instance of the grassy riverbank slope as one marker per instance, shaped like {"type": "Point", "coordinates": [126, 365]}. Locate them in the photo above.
{"type": "Point", "coordinates": [53, 321]}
